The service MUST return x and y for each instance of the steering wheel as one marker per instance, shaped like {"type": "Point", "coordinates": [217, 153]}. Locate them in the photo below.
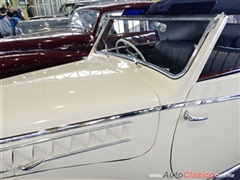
{"type": "Point", "coordinates": [127, 43]}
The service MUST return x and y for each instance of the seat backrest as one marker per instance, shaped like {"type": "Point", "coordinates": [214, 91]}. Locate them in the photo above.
{"type": "Point", "coordinates": [222, 59]}
{"type": "Point", "coordinates": [172, 55]}
{"type": "Point", "coordinates": [224, 40]}
{"type": "Point", "coordinates": [237, 43]}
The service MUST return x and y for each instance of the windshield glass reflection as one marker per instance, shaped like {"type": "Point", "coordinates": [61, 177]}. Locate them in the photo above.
{"type": "Point", "coordinates": [84, 19]}
{"type": "Point", "coordinates": [155, 42]}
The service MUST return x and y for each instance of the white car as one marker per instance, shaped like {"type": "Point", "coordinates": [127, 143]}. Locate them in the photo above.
{"type": "Point", "coordinates": [158, 97]}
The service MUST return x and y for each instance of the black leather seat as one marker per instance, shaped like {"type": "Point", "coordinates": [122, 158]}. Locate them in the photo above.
{"type": "Point", "coordinates": [222, 59]}
{"type": "Point", "coordinates": [172, 55]}
{"type": "Point", "coordinates": [226, 40]}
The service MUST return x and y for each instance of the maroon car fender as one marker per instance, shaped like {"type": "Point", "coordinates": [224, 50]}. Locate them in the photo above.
{"type": "Point", "coordinates": [21, 63]}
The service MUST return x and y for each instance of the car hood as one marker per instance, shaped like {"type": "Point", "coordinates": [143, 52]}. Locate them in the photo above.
{"type": "Point", "coordinates": [38, 25]}
{"type": "Point", "coordinates": [71, 93]}
{"type": "Point", "coordinates": [88, 112]}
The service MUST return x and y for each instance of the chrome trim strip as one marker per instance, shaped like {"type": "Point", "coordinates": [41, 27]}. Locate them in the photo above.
{"type": "Point", "coordinates": [64, 136]}
{"type": "Point", "coordinates": [202, 102]}
{"type": "Point", "coordinates": [116, 117]}
{"type": "Point", "coordinates": [78, 125]}
{"type": "Point", "coordinates": [172, 106]}
{"type": "Point", "coordinates": [31, 165]}
{"type": "Point", "coordinates": [166, 18]}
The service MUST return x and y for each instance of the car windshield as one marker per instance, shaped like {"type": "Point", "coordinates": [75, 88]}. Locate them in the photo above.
{"type": "Point", "coordinates": [165, 44]}
{"type": "Point", "coordinates": [84, 19]}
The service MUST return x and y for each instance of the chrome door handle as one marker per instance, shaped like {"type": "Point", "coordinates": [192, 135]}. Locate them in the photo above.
{"type": "Point", "coordinates": [189, 117]}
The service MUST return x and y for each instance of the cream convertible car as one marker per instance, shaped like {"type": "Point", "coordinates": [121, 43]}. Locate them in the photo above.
{"type": "Point", "coordinates": [156, 97]}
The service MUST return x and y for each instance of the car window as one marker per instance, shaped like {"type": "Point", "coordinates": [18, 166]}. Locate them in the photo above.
{"type": "Point", "coordinates": [84, 19]}
{"type": "Point", "coordinates": [105, 17]}
{"type": "Point", "coordinates": [225, 57]}
{"type": "Point", "coordinates": [167, 45]}
{"type": "Point", "coordinates": [75, 7]}
{"type": "Point", "coordinates": [66, 9]}
{"type": "Point", "coordinates": [128, 26]}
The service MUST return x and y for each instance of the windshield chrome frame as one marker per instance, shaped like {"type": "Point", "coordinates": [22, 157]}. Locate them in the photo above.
{"type": "Point", "coordinates": [213, 19]}
{"type": "Point", "coordinates": [100, 27]}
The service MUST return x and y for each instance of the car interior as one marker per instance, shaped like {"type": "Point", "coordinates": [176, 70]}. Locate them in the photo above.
{"type": "Point", "coordinates": [225, 57]}
{"type": "Point", "coordinates": [171, 45]}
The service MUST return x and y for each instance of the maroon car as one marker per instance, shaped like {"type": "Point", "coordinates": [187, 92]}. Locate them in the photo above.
{"type": "Point", "coordinates": [25, 53]}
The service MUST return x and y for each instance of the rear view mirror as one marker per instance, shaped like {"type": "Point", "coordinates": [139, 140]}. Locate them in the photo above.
{"type": "Point", "coordinates": [159, 26]}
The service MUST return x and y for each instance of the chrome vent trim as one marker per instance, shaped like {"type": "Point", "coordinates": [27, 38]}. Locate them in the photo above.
{"type": "Point", "coordinates": [31, 155]}
{"type": "Point", "coordinates": [64, 136]}
{"type": "Point", "coordinates": [30, 166]}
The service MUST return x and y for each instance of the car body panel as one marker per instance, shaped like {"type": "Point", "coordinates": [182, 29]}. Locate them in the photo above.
{"type": "Point", "coordinates": [110, 142]}
{"type": "Point", "coordinates": [187, 83]}
{"type": "Point", "coordinates": [155, 161]}
{"type": "Point", "coordinates": [75, 84]}
{"type": "Point", "coordinates": [206, 133]}
{"type": "Point", "coordinates": [184, 152]}
{"type": "Point", "coordinates": [50, 40]}
{"type": "Point", "coordinates": [21, 63]}
{"type": "Point", "coordinates": [105, 75]}
{"type": "Point", "coordinates": [114, 94]}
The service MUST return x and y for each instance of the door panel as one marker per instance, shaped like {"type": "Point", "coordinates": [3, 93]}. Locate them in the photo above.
{"type": "Point", "coordinates": [211, 145]}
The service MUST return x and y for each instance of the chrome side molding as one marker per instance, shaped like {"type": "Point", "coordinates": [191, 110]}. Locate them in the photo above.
{"type": "Point", "coordinates": [202, 102]}
{"type": "Point", "coordinates": [78, 125]}
{"type": "Point", "coordinates": [118, 117]}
